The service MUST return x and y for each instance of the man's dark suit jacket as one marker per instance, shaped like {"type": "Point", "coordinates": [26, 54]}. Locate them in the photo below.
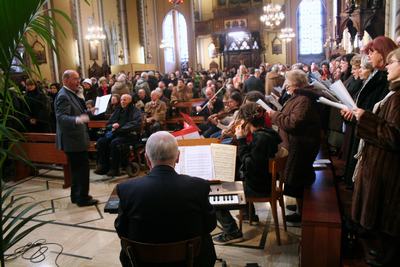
{"type": "Point", "coordinates": [71, 137]}
{"type": "Point", "coordinates": [253, 84]}
{"type": "Point", "coordinates": [166, 207]}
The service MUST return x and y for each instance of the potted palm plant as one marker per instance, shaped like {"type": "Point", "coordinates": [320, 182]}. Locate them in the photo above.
{"type": "Point", "coordinates": [19, 19]}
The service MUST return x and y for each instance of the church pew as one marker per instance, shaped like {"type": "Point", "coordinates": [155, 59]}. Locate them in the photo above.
{"type": "Point", "coordinates": [41, 148]}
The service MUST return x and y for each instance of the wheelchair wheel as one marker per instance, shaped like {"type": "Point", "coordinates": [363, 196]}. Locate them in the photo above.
{"type": "Point", "coordinates": [133, 169]}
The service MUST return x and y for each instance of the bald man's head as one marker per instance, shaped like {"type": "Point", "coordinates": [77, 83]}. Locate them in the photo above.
{"type": "Point", "coordinates": [71, 80]}
{"type": "Point", "coordinates": [126, 99]}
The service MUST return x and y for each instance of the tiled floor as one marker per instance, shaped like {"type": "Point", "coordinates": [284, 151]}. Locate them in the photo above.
{"type": "Point", "coordinates": [88, 238]}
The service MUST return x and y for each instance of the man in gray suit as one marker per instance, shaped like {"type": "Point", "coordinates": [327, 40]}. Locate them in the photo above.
{"type": "Point", "coordinates": [73, 137]}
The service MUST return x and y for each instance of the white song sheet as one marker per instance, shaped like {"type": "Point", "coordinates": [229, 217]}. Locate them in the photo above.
{"type": "Point", "coordinates": [341, 92]}
{"type": "Point", "coordinates": [210, 162]}
{"type": "Point", "coordinates": [195, 161]}
{"type": "Point", "coordinates": [325, 101]}
{"type": "Point", "coordinates": [262, 103]}
{"type": "Point", "coordinates": [101, 104]}
{"type": "Point", "coordinates": [224, 159]}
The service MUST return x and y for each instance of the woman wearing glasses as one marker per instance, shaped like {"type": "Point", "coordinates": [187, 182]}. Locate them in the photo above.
{"type": "Point", "coordinates": [376, 198]}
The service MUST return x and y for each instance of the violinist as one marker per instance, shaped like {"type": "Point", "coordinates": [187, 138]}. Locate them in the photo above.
{"type": "Point", "coordinates": [211, 105]}
{"type": "Point", "coordinates": [223, 119]}
{"type": "Point", "coordinates": [228, 134]}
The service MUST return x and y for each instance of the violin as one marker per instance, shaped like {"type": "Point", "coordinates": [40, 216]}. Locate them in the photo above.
{"type": "Point", "coordinates": [222, 114]}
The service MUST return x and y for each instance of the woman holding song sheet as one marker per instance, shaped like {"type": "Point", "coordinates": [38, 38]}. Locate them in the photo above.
{"type": "Point", "coordinates": [372, 91]}
{"type": "Point", "coordinates": [376, 198]}
{"type": "Point", "coordinates": [300, 129]}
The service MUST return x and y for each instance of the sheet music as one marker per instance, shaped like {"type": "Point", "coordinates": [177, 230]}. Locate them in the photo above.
{"type": "Point", "coordinates": [325, 101]}
{"type": "Point", "coordinates": [101, 104]}
{"type": "Point", "coordinates": [262, 103]}
{"type": "Point", "coordinates": [341, 92]}
{"type": "Point", "coordinates": [224, 161]}
{"type": "Point", "coordinates": [196, 161]}
{"type": "Point", "coordinates": [271, 99]}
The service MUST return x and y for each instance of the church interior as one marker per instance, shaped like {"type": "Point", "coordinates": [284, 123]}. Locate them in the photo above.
{"type": "Point", "coordinates": [190, 54]}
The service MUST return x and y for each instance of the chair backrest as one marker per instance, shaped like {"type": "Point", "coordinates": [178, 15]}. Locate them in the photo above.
{"type": "Point", "coordinates": [277, 168]}
{"type": "Point", "coordinates": [182, 251]}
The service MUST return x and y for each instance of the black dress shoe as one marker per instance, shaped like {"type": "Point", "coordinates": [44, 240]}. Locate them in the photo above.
{"type": "Point", "coordinates": [100, 171]}
{"type": "Point", "coordinates": [113, 173]}
{"type": "Point", "coordinates": [373, 262]}
{"type": "Point", "coordinates": [89, 202]}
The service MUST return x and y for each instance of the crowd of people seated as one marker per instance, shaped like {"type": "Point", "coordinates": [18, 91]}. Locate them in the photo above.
{"type": "Point", "coordinates": [147, 100]}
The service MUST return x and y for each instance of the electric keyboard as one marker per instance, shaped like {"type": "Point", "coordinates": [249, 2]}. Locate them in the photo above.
{"type": "Point", "coordinates": [227, 195]}
{"type": "Point", "coordinates": [224, 195]}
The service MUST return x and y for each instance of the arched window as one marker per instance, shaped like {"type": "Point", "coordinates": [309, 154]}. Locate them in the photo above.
{"type": "Point", "coordinates": [175, 41]}
{"type": "Point", "coordinates": [310, 16]}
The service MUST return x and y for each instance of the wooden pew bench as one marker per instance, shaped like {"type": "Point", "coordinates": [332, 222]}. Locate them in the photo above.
{"type": "Point", "coordinates": [179, 120]}
{"type": "Point", "coordinates": [41, 148]}
{"type": "Point", "coordinates": [95, 125]}
{"type": "Point", "coordinates": [321, 223]}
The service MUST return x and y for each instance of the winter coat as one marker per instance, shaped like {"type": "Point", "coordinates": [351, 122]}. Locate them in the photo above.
{"type": "Point", "coordinates": [376, 197]}
{"type": "Point", "coordinates": [300, 128]}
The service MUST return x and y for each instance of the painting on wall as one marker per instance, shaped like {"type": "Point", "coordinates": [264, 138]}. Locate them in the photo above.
{"type": "Point", "coordinates": [40, 52]}
{"type": "Point", "coordinates": [276, 46]}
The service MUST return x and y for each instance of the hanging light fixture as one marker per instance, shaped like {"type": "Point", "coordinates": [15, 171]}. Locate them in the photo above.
{"type": "Point", "coordinates": [94, 33]}
{"type": "Point", "coordinates": [175, 2]}
{"type": "Point", "coordinates": [287, 34]}
{"type": "Point", "coordinates": [273, 15]}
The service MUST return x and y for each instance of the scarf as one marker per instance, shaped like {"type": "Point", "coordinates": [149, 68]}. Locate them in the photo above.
{"type": "Point", "coordinates": [361, 145]}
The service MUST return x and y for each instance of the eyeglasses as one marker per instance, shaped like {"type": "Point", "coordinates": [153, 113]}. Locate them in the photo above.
{"type": "Point", "coordinates": [392, 61]}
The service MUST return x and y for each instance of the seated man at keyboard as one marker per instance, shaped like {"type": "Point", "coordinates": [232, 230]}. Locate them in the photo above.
{"type": "Point", "coordinates": [256, 145]}
{"type": "Point", "coordinates": [164, 206]}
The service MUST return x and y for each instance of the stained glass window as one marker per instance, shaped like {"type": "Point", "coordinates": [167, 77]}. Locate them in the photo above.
{"type": "Point", "coordinates": [310, 27]}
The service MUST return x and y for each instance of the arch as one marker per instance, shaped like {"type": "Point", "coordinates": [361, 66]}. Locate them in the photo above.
{"type": "Point", "coordinates": [175, 41]}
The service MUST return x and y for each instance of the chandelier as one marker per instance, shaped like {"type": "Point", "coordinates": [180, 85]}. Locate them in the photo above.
{"type": "Point", "coordinates": [287, 34]}
{"type": "Point", "coordinates": [95, 33]}
{"type": "Point", "coordinates": [175, 2]}
{"type": "Point", "coordinates": [273, 15]}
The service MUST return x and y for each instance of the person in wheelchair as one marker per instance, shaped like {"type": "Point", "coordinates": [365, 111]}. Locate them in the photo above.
{"type": "Point", "coordinates": [123, 127]}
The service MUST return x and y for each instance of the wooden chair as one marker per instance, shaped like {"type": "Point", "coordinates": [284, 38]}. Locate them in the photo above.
{"type": "Point", "coordinates": [276, 168]}
{"type": "Point", "coordinates": [182, 251]}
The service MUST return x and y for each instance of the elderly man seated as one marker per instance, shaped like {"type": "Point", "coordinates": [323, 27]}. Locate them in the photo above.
{"type": "Point", "coordinates": [123, 127]}
{"type": "Point", "coordinates": [165, 206]}
{"type": "Point", "coordinates": [155, 113]}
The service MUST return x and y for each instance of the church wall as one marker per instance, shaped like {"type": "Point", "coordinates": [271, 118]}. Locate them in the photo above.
{"type": "Point", "coordinates": [203, 57]}
{"type": "Point", "coordinates": [66, 44]}
{"type": "Point", "coordinates": [135, 54]}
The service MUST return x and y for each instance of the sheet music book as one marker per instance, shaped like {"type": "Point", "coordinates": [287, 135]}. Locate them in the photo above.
{"type": "Point", "coordinates": [210, 162]}
{"type": "Point", "coordinates": [101, 104]}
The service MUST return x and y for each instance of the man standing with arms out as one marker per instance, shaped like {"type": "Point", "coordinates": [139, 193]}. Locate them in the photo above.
{"type": "Point", "coordinates": [164, 206]}
{"type": "Point", "coordinates": [73, 137]}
